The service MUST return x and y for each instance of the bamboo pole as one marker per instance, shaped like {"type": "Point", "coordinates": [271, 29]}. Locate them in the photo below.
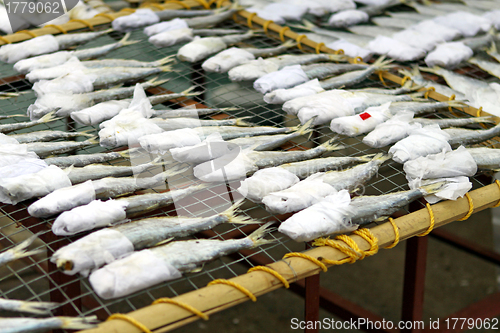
{"type": "Point", "coordinates": [166, 317]}
{"type": "Point", "coordinates": [98, 20]}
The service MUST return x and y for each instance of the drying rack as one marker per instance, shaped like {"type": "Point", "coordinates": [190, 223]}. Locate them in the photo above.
{"type": "Point", "coordinates": [35, 278]}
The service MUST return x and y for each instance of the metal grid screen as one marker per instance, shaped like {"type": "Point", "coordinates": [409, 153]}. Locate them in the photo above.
{"type": "Point", "coordinates": [35, 278]}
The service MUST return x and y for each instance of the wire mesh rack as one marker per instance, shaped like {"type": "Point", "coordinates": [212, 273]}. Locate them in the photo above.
{"type": "Point", "coordinates": [36, 278]}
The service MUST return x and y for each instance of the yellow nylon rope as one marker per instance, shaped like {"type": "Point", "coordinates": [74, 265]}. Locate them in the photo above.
{"type": "Point", "coordinates": [431, 216]}
{"type": "Point", "coordinates": [471, 208]}
{"type": "Point", "coordinates": [183, 305]}
{"type": "Point", "coordinates": [396, 234]}
{"type": "Point", "coordinates": [235, 285]}
{"type": "Point", "coordinates": [318, 47]}
{"type": "Point", "coordinates": [130, 320]}
{"type": "Point", "coordinates": [308, 257]}
{"type": "Point", "coordinates": [271, 271]}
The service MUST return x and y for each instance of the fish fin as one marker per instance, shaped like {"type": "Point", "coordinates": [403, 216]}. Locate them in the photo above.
{"type": "Point", "coordinates": [155, 82]}
{"type": "Point", "coordinates": [107, 31]}
{"type": "Point", "coordinates": [197, 270]}
{"type": "Point", "coordinates": [94, 140]}
{"type": "Point", "coordinates": [485, 119]}
{"type": "Point", "coordinates": [257, 236]}
{"type": "Point", "coordinates": [432, 188]}
{"type": "Point", "coordinates": [163, 61]}
{"type": "Point", "coordinates": [306, 25]}
{"type": "Point", "coordinates": [242, 122]}
{"type": "Point", "coordinates": [76, 323]}
{"type": "Point", "coordinates": [40, 308]}
{"type": "Point", "coordinates": [307, 127]}
{"type": "Point", "coordinates": [163, 242]}
{"type": "Point", "coordinates": [87, 133]}
{"type": "Point", "coordinates": [381, 219]}
{"type": "Point", "coordinates": [330, 145]}
{"type": "Point", "coordinates": [51, 116]}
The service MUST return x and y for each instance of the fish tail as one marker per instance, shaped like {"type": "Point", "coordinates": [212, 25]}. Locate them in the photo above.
{"type": "Point", "coordinates": [484, 119]}
{"type": "Point", "coordinates": [51, 116]}
{"type": "Point", "coordinates": [87, 133]}
{"type": "Point", "coordinates": [20, 249]}
{"type": "Point", "coordinates": [94, 140]}
{"type": "Point", "coordinates": [231, 216]}
{"type": "Point", "coordinates": [382, 64]}
{"type": "Point", "coordinates": [432, 188]}
{"type": "Point", "coordinates": [125, 153]}
{"type": "Point", "coordinates": [230, 109]}
{"type": "Point", "coordinates": [40, 308]}
{"type": "Point", "coordinates": [188, 92]}
{"type": "Point", "coordinates": [155, 82]}
{"type": "Point", "coordinates": [367, 158]}
{"type": "Point", "coordinates": [381, 157]}
{"type": "Point", "coordinates": [75, 323]}
{"type": "Point", "coordinates": [307, 127]}
{"type": "Point", "coordinates": [166, 68]}
{"type": "Point", "coordinates": [163, 61]}
{"type": "Point", "coordinates": [492, 48]}
{"type": "Point", "coordinates": [289, 43]}
{"type": "Point", "coordinates": [124, 41]}
{"type": "Point", "coordinates": [306, 25]}
{"type": "Point", "coordinates": [433, 70]}
{"type": "Point", "coordinates": [236, 6]}
{"type": "Point", "coordinates": [243, 122]}
{"type": "Point", "coordinates": [330, 145]}
{"type": "Point", "coordinates": [257, 236]}
{"type": "Point", "coordinates": [456, 104]}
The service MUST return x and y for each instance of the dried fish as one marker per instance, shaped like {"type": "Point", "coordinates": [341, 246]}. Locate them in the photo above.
{"type": "Point", "coordinates": [19, 251]}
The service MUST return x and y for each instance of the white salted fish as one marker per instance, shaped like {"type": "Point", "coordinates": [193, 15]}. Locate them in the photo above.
{"type": "Point", "coordinates": [429, 27]}
{"type": "Point", "coordinates": [373, 31]}
{"type": "Point", "coordinates": [214, 146]}
{"type": "Point", "coordinates": [189, 112]}
{"type": "Point", "coordinates": [394, 22]}
{"type": "Point", "coordinates": [172, 37]}
{"type": "Point", "coordinates": [237, 165]}
{"type": "Point", "coordinates": [185, 137]}
{"type": "Point", "coordinates": [350, 49]}
{"type": "Point", "coordinates": [395, 49]}
{"type": "Point", "coordinates": [291, 76]}
{"type": "Point", "coordinates": [418, 40]}
{"type": "Point", "coordinates": [29, 325]}
{"type": "Point", "coordinates": [318, 186]}
{"type": "Point", "coordinates": [17, 189]}
{"type": "Point", "coordinates": [54, 59]}
{"type": "Point", "coordinates": [454, 122]}
{"type": "Point", "coordinates": [491, 67]}
{"type": "Point", "coordinates": [468, 24]}
{"type": "Point", "coordinates": [462, 136]}
{"type": "Point", "coordinates": [65, 104]}
{"type": "Point", "coordinates": [352, 17]}
{"type": "Point", "coordinates": [172, 124]}
{"type": "Point", "coordinates": [356, 76]}
{"type": "Point", "coordinates": [106, 245]}
{"type": "Point", "coordinates": [47, 118]}
{"type": "Point", "coordinates": [99, 213]}
{"type": "Point", "coordinates": [44, 149]}
{"type": "Point", "coordinates": [255, 69]}
{"type": "Point", "coordinates": [19, 251]}
{"type": "Point", "coordinates": [100, 112]}
{"type": "Point", "coordinates": [486, 158]}
{"type": "Point", "coordinates": [97, 171]}
{"type": "Point", "coordinates": [81, 160]}
{"type": "Point", "coordinates": [448, 55]}
{"type": "Point", "coordinates": [280, 96]}
{"type": "Point", "coordinates": [357, 39]}
{"type": "Point", "coordinates": [363, 122]}
{"type": "Point", "coordinates": [138, 19]}
{"type": "Point", "coordinates": [275, 179]}
{"type": "Point", "coordinates": [329, 216]}
{"type": "Point", "coordinates": [73, 83]}
{"type": "Point", "coordinates": [170, 261]}
{"type": "Point", "coordinates": [23, 167]}
{"type": "Point", "coordinates": [201, 48]}
{"type": "Point", "coordinates": [417, 77]}
{"type": "Point", "coordinates": [37, 308]}
{"type": "Point", "coordinates": [12, 53]}
{"type": "Point", "coordinates": [234, 56]}
{"type": "Point", "coordinates": [393, 130]}
{"type": "Point", "coordinates": [421, 142]}
{"type": "Point", "coordinates": [105, 188]}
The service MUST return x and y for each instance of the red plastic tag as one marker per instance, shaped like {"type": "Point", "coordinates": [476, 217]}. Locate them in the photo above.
{"type": "Point", "coordinates": [365, 115]}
